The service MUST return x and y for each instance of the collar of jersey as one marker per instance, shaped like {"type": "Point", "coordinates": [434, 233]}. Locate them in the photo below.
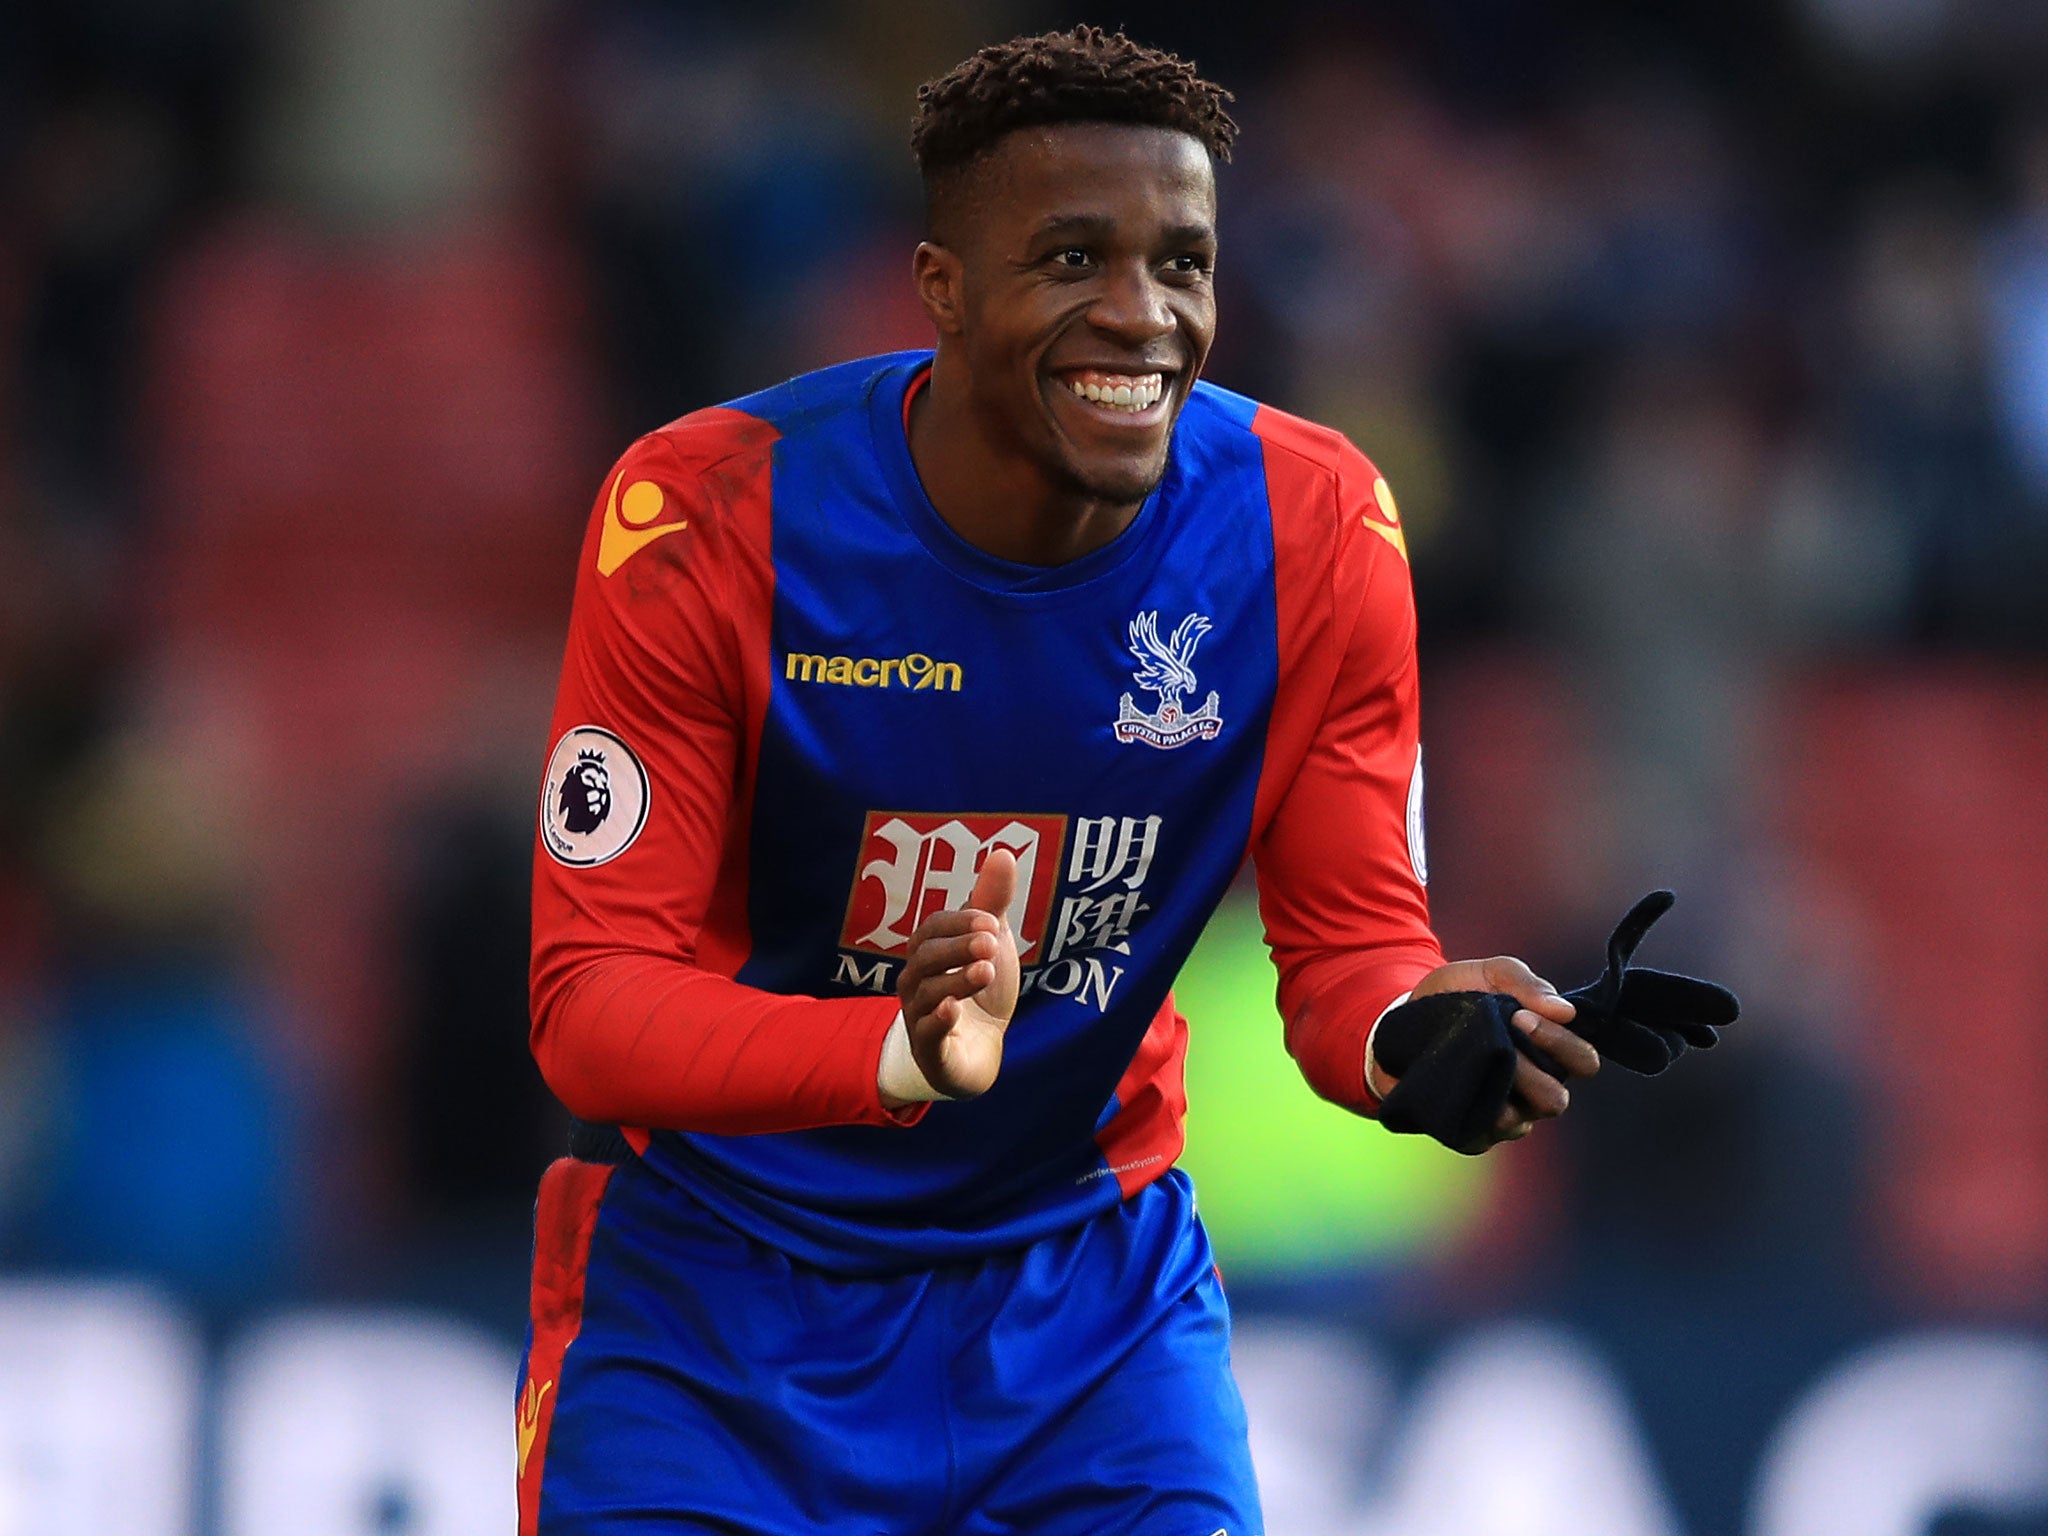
{"type": "Point", "coordinates": [889, 411]}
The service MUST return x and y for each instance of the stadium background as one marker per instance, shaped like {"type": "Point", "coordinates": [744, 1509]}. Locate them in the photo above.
{"type": "Point", "coordinates": [1706, 347]}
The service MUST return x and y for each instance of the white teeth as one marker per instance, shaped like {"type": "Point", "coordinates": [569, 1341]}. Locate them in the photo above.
{"type": "Point", "coordinates": [1131, 395]}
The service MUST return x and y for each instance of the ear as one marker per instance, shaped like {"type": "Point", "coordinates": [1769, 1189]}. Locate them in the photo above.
{"type": "Point", "coordinates": [938, 273]}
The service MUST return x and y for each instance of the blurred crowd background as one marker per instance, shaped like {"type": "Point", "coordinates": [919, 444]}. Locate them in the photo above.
{"type": "Point", "coordinates": [1705, 347]}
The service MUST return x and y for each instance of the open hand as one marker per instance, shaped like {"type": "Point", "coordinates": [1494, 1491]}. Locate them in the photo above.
{"type": "Point", "coordinates": [959, 985]}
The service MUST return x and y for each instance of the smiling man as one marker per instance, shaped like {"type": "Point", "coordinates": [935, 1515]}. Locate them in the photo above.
{"type": "Point", "coordinates": [937, 699]}
{"type": "Point", "coordinates": [1070, 273]}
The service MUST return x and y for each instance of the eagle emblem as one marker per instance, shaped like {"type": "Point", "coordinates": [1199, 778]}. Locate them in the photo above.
{"type": "Point", "coordinates": [1167, 669]}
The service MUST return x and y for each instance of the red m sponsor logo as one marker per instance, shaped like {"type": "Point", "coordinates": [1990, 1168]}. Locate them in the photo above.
{"type": "Point", "coordinates": [913, 864]}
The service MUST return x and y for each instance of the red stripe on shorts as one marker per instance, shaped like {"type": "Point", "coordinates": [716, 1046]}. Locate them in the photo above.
{"type": "Point", "coordinates": [564, 1219]}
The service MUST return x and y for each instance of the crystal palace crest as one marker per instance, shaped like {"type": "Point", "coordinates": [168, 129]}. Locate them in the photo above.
{"type": "Point", "coordinates": [1167, 669]}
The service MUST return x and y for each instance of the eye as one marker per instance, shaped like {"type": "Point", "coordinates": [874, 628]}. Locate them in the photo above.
{"type": "Point", "coordinates": [1188, 264]}
{"type": "Point", "coordinates": [1073, 258]}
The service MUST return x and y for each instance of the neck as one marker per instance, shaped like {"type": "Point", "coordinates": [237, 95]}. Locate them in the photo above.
{"type": "Point", "coordinates": [990, 493]}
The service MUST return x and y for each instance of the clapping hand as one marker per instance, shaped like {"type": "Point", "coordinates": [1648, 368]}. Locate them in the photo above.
{"type": "Point", "coordinates": [959, 985]}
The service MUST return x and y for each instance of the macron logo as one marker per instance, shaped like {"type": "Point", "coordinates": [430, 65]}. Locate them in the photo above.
{"type": "Point", "coordinates": [915, 671]}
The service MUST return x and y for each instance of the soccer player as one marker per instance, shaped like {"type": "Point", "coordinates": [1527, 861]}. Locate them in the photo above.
{"type": "Point", "coordinates": [916, 715]}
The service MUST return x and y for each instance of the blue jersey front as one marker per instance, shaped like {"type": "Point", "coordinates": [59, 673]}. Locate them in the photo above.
{"type": "Point", "coordinates": [930, 703]}
{"type": "Point", "coordinates": [1110, 722]}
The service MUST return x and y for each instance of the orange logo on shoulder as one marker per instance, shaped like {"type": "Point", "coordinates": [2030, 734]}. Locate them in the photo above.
{"type": "Point", "coordinates": [632, 521]}
{"type": "Point", "coordinates": [1384, 496]}
{"type": "Point", "coordinates": [529, 1419]}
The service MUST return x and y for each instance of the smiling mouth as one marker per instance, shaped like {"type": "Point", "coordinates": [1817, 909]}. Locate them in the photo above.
{"type": "Point", "coordinates": [1132, 399]}
{"type": "Point", "coordinates": [1119, 391]}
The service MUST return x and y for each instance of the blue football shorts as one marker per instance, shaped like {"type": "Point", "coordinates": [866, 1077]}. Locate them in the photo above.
{"type": "Point", "coordinates": [682, 1377]}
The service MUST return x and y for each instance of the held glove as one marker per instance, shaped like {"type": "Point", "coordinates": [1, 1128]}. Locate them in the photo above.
{"type": "Point", "coordinates": [1454, 1053]}
{"type": "Point", "coordinates": [1643, 1019]}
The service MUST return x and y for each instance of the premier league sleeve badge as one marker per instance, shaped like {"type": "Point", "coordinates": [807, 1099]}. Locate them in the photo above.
{"type": "Point", "coordinates": [594, 800]}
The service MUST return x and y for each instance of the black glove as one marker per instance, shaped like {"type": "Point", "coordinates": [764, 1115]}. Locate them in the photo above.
{"type": "Point", "coordinates": [1454, 1053]}
{"type": "Point", "coordinates": [1643, 1019]}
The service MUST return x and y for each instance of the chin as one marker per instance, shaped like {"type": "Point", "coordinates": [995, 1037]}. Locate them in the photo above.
{"type": "Point", "coordinates": [1119, 483]}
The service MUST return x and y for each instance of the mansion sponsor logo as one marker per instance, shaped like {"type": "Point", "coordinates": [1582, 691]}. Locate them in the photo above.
{"type": "Point", "coordinates": [916, 671]}
{"type": "Point", "coordinates": [1087, 979]}
{"type": "Point", "coordinates": [1080, 886]}
{"type": "Point", "coordinates": [913, 864]}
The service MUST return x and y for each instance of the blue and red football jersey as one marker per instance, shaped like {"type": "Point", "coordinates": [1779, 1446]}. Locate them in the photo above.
{"type": "Point", "coordinates": [798, 712]}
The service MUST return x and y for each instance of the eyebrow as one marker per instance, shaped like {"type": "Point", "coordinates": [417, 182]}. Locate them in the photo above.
{"type": "Point", "coordinates": [1075, 224]}
{"type": "Point", "coordinates": [1082, 225]}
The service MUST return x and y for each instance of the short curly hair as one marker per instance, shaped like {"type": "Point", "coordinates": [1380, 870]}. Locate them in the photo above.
{"type": "Point", "coordinates": [1083, 76]}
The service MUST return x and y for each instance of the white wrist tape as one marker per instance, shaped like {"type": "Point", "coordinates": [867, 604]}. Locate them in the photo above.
{"type": "Point", "coordinates": [899, 1077]}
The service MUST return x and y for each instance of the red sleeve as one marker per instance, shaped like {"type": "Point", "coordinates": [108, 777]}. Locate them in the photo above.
{"type": "Point", "coordinates": [1340, 869]}
{"type": "Point", "coordinates": [639, 892]}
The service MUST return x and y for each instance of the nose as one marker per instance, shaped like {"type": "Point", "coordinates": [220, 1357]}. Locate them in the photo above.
{"type": "Point", "coordinates": [1131, 307]}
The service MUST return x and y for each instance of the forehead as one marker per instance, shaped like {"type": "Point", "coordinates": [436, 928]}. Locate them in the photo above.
{"type": "Point", "coordinates": [1115, 171]}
